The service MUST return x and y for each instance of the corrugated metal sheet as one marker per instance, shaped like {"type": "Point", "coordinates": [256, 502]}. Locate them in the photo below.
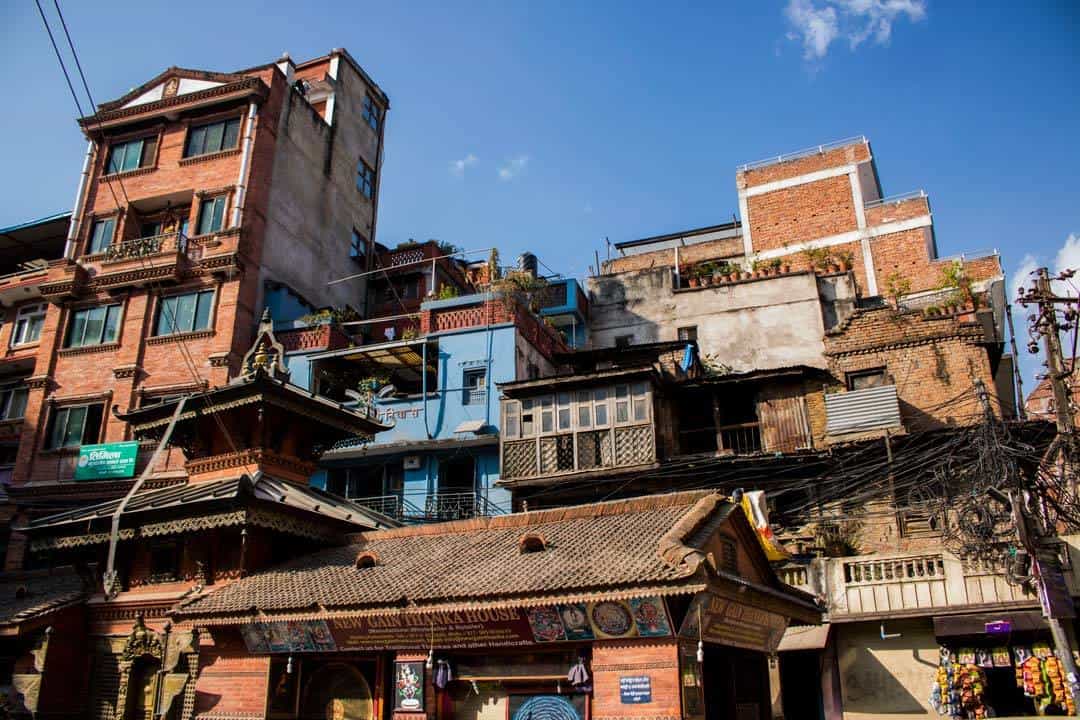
{"type": "Point", "coordinates": [784, 424]}
{"type": "Point", "coordinates": [870, 409]}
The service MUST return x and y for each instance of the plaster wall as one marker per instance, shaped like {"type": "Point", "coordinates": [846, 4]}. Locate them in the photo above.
{"type": "Point", "coordinates": [887, 678]}
{"type": "Point", "coordinates": [755, 325]}
{"type": "Point", "coordinates": [314, 202]}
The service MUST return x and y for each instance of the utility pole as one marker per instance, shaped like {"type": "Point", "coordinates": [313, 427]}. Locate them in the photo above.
{"type": "Point", "coordinates": [1056, 603]}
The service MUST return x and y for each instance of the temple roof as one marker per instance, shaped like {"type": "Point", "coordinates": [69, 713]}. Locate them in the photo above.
{"type": "Point", "coordinates": [646, 545]}
{"type": "Point", "coordinates": [25, 596]}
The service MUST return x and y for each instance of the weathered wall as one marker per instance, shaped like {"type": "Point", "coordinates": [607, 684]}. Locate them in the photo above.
{"type": "Point", "coordinates": [886, 678]}
{"type": "Point", "coordinates": [755, 325]}
{"type": "Point", "coordinates": [314, 202]}
{"type": "Point", "coordinates": [656, 659]}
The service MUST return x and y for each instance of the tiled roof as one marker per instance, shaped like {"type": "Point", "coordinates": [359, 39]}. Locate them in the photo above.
{"type": "Point", "coordinates": [626, 544]}
{"type": "Point", "coordinates": [24, 596]}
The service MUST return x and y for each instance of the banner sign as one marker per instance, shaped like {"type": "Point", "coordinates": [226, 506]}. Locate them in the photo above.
{"type": "Point", "coordinates": [465, 629]}
{"type": "Point", "coordinates": [110, 460]}
{"type": "Point", "coordinates": [727, 622]}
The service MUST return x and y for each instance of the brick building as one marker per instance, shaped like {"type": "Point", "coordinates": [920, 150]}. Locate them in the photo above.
{"type": "Point", "coordinates": [199, 191]}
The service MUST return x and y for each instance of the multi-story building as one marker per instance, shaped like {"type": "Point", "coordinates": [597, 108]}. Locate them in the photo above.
{"type": "Point", "coordinates": [199, 190]}
{"type": "Point", "coordinates": [818, 349]}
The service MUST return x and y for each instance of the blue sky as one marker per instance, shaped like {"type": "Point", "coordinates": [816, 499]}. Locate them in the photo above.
{"type": "Point", "coordinates": [550, 126]}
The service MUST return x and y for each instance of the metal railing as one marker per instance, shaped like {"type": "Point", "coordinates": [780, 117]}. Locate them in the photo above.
{"type": "Point", "coordinates": [475, 396]}
{"type": "Point", "coordinates": [390, 505]}
{"type": "Point", "coordinates": [807, 152]}
{"type": "Point", "coordinates": [740, 438]}
{"type": "Point", "coordinates": [913, 195]}
{"type": "Point", "coordinates": [457, 506]}
{"type": "Point", "coordinates": [143, 247]}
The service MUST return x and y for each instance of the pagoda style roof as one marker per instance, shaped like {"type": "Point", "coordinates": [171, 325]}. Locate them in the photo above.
{"type": "Point", "coordinates": [27, 596]}
{"type": "Point", "coordinates": [232, 501]}
{"type": "Point", "coordinates": [258, 387]}
{"type": "Point", "coordinates": [650, 545]}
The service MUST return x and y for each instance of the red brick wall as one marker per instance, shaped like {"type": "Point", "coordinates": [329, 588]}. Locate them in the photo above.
{"type": "Point", "coordinates": [726, 248]}
{"type": "Point", "coordinates": [800, 213]}
{"type": "Point", "coordinates": [657, 659]}
{"type": "Point", "coordinates": [231, 683]}
{"type": "Point", "coordinates": [897, 211]}
{"type": "Point", "coordinates": [856, 152]}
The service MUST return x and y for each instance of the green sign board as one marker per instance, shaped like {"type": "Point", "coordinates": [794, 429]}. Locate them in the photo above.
{"type": "Point", "coordinates": [111, 460]}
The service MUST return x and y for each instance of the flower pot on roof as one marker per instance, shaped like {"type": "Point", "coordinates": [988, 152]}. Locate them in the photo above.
{"type": "Point", "coordinates": [694, 281]}
{"type": "Point", "coordinates": [785, 269]}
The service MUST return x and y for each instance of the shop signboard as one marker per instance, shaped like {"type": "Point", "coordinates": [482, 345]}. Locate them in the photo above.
{"type": "Point", "coordinates": [1053, 592]}
{"type": "Point", "coordinates": [289, 636]}
{"type": "Point", "coordinates": [635, 689]}
{"type": "Point", "coordinates": [109, 460]}
{"type": "Point", "coordinates": [728, 622]}
{"type": "Point", "coordinates": [998, 627]}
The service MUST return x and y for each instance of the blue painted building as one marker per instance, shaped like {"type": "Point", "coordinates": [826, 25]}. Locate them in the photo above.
{"type": "Point", "coordinates": [441, 458]}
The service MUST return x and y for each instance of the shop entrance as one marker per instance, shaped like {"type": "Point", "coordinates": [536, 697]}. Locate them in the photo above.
{"type": "Point", "coordinates": [736, 684]}
{"type": "Point", "coordinates": [336, 691]}
{"type": "Point", "coordinates": [800, 683]}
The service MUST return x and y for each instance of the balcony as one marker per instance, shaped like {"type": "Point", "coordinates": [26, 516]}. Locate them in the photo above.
{"type": "Point", "coordinates": [910, 584]}
{"type": "Point", "coordinates": [140, 261]}
{"type": "Point", "coordinates": [859, 411]}
{"type": "Point", "coordinates": [457, 506]}
{"type": "Point", "coordinates": [390, 505]}
{"type": "Point", "coordinates": [740, 438]}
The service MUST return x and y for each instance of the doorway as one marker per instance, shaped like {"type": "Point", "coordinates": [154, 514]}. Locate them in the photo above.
{"type": "Point", "coordinates": [336, 691]}
{"type": "Point", "coordinates": [736, 684]}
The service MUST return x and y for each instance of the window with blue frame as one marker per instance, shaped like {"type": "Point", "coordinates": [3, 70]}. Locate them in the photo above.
{"type": "Point", "coordinates": [131, 155]}
{"type": "Point", "coordinates": [190, 312]}
{"type": "Point", "coordinates": [93, 326]}
{"type": "Point", "coordinates": [475, 386]}
{"type": "Point", "coordinates": [212, 137]}
{"type": "Point", "coordinates": [372, 114]}
{"type": "Point", "coordinates": [101, 235]}
{"type": "Point", "coordinates": [365, 179]}
{"type": "Point", "coordinates": [211, 215]}
{"type": "Point", "coordinates": [358, 247]}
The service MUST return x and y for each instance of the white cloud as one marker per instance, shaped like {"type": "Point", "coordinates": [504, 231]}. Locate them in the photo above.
{"type": "Point", "coordinates": [818, 23]}
{"type": "Point", "coordinates": [1067, 257]}
{"type": "Point", "coordinates": [513, 167]}
{"type": "Point", "coordinates": [458, 166]}
{"type": "Point", "coordinates": [1023, 276]}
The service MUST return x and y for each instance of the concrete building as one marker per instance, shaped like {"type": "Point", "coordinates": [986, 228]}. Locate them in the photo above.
{"type": "Point", "coordinates": [198, 191]}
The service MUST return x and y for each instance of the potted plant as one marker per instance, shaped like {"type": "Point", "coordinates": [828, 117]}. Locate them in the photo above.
{"type": "Point", "coordinates": [932, 311]}
{"type": "Point", "coordinates": [694, 280]}
{"type": "Point", "coordinates": [785, 268]}
{"type": "Point", "coordinates": [816, 258]}
{"type": "Point", "coordinates": [774, 266]}
{"type": "Point", "coordinates": [704, 274]}
{"type": "Point", "coordinates": [720, 271]}
{"type": "Point", "coordinates": [846, 260]}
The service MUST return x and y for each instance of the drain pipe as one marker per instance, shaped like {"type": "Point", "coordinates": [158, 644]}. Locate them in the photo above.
{"type": "Point", "coordinates": [245, 162]}
{"type": "Point", "coordinates": [109, 580]}
{"type": "Point", "coordinates": [423, 385]}
{"type": "Point", "coordinates": [80, 196]}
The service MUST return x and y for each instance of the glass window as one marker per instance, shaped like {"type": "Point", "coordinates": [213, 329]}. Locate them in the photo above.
{"type": "Point", "coordinates": [358, 247]}
{"type": "Point", "coordinates": [130, 155]}
{"type": "Point", "coordinates": [584, 411]}
{"type": "Point", "coordinates": [212, 137]}
{"type": "Point", "coordinates": [12, 401]}
{"type": "Point", "coordinates": [564, 417]}
{"type": "Point", "coordinates": [365, 179]}
{"type": "Point", "coordinates": [622, 403]}
{"type": "Point", "coordinates": [641, 406]}
{"type": "Point", "coordinates": [211, 215]}
{"type": "Point", "coordinates": [185, 313]}
{"type": "Point", "coordinates": [600, 396]}
{"type": "Point", "coordinates": [149, 229]}
{"type": "Point", "coordinates": [73, 426]}
{"type": "Point", "coordinates": [474, 384]}
{"type": "Point", "coordinates": [371, 114]}
{"type": "Point", "coordinates": [510, 426]}
{"type": "Point", "coordinates": [93, 326]}
{"type": "Point", "coordinates": [866, 379]}
{"type": "Point", "coordinates": [547, 417]}
{"type": "Point", "coordinates": [101, 235]}
{"type": "Point", "coordinates": [688, 333]}
{"type": "Point", "coordinates": [528, 424]}
{"type": "Point", "coordinates": [28, 323]}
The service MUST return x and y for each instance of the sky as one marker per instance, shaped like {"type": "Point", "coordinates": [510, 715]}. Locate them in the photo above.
{"type": "Point", "coordinates": [549, 127]}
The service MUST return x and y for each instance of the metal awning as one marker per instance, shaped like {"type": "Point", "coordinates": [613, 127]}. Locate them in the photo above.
{"type": "Point", "coordinates": [804, 637]}
{"type": "Point", "coordinates": [975, 624]}
{"type": "Point", "coordinates": [470, 426]}
{"type": "Point", "coordinates": [403, 360]}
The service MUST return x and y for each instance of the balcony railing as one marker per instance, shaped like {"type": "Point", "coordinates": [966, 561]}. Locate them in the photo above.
{"type": "Point", "coordinates": [390, 505]}
{"type": "Point", "coordinates": [144, 247]}
{"type": "Point", "coordinates": [740, 438]}
{"type": "Point", "coordinates": [457, 506]}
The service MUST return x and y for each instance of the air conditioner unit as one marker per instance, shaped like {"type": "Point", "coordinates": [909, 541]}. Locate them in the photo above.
{"type": "Point", "coordinates": [412, 462]}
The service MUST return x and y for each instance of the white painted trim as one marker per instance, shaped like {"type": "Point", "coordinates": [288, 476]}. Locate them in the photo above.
{"type": "Point", "coordinates": [335, 65]}
{"type": "Point", "coordinates": [799, 180]}
{"type": "Point", "coordinates": [868, 266]}
{"type": "Point", "coordinates": [744, 217]}
{"type": "Point", "coordinates": [856, 194]}
{"type": "Point", "coordinates": [848, 237]}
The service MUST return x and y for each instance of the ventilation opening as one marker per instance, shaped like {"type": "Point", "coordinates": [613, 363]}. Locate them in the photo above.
{"type": "Point", "coordinates": [531, 542]}
{"type": "Point", "coordinates": [366, 559]}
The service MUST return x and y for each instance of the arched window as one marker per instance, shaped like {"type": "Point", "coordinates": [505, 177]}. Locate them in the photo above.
{"type": "Point", "coordinates": [336, 691]}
